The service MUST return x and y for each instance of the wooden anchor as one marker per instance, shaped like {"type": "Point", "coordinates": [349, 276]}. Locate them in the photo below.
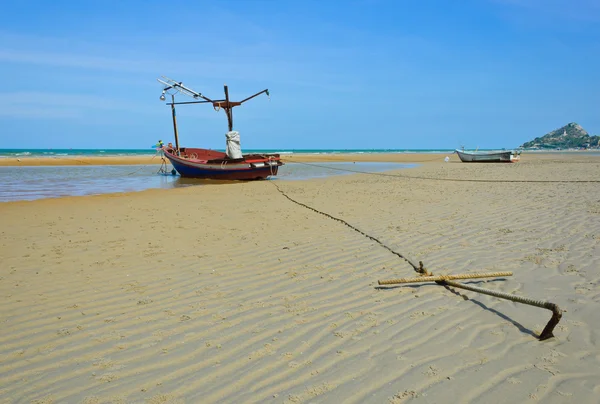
{"type": "Point", "coordinates": [444, 277]}
{"type": "Point", "coordinates": [446, 280]}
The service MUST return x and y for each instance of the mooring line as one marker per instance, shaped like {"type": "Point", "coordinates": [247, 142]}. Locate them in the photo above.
{"type": "Point", "coordinates": [445, 281]}
{"type": "Point", "coordinates": [415, 267]}
{"type": "Point", "coordinates": [448, 179]}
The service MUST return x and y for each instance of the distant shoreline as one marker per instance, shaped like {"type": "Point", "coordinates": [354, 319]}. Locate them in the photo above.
{"type": "Point", "coordinates": [392, 157]}
{"type": "Point", "coordinates": [59, 153]}
{"type": "Point", "coordinates": [288, 158]}
{"type": "Point", "coordinates": [19, 153]}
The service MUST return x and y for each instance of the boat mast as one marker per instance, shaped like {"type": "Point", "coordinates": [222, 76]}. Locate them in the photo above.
{"type": "Point", "coordinates": [225, 104]}
{"type": "Point", "coordinates": [228, 109]}
{"type": "Point", "coordinates": [174, 123]}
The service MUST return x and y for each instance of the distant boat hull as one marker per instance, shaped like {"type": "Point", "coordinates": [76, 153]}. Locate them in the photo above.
{"type": "Point", "coordinates": [509, 156]}
{"type": "Point", "coordinates": [211, 164]}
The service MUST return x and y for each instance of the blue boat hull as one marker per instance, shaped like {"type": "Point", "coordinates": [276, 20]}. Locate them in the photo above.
{"type": "Point", "coordinates": [224, 174]}
{"type": "Point", "coordinates": [251, 167]}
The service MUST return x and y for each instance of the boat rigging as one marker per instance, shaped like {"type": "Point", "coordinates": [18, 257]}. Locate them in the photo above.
{"type": "Point", "coordinates": [206, 163]}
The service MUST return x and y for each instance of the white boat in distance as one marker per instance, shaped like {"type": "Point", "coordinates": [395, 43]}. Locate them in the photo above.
{"type": "Point", "coordinates": [493, 156]}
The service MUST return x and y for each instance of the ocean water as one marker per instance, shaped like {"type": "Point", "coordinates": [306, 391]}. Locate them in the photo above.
{"type": "Point", "coordinates": [57, 153]}
{"type": "Point", "coordinates": [38, 182]}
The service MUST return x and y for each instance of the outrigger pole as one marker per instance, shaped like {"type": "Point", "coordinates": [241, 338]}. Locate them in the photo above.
{"type": "Point", "coordinates": [225, 104]}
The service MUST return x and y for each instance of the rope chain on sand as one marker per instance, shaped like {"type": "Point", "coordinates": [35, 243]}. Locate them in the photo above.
{"type": "Point", "coordinates": [349, 225]}
{"type": "Point", "coordinates": [556, 311]}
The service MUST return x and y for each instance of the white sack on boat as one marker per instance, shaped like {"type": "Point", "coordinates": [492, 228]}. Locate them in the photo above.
{"type": "Point", "coordinates": [234, 150]}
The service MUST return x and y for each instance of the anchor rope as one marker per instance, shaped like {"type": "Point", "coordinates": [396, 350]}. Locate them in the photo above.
{"type": "Point", "coordinates": [420, 269]}
{"type": "Point", "coordinates": [447, 179]}
{"type": "Point", "coordinates": [546, 332]}
{"type": "Point", "coordinates": [415, 267]}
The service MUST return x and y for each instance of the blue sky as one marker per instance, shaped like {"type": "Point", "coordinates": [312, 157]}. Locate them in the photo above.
{"type": "Point", "coordinates": [342, 74]}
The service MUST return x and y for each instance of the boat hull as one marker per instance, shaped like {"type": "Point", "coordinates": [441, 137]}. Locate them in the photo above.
{"type": "Point", "coordinates": [488, 157]}
{"type": "Point", "coordinates": [210, 164]}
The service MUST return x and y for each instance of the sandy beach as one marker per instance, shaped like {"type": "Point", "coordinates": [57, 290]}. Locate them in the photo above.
{"type": "Point", "coordinates": [233, 293]}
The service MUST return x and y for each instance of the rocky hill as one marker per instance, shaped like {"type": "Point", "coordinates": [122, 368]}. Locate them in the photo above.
{"type": "Point", "coordinates": [571, 136]}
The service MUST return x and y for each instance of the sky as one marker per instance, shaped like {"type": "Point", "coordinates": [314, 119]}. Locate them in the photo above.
{"type": "Point", "coordinates": [352, 74]}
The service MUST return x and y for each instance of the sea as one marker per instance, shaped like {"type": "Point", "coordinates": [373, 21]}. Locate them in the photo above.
{"type": "Point", "coordinates": [12, 153]}
{"type": "Point", "coordinates": [24, 183]}
{"type": "Point", "coordinates": [57, 153]}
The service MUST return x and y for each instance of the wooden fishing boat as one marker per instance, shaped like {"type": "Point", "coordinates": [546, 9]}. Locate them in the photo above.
{"type": "Point", "coordinates": [213, 164]}
{"type": "Point", "coordinates": [494, 156]}
{"type": "Point", "coordinates": [216, 165]}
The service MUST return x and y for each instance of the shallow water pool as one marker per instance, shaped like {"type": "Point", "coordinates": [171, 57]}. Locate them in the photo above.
{"type": "Point", "coordinates": [29, 183]}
